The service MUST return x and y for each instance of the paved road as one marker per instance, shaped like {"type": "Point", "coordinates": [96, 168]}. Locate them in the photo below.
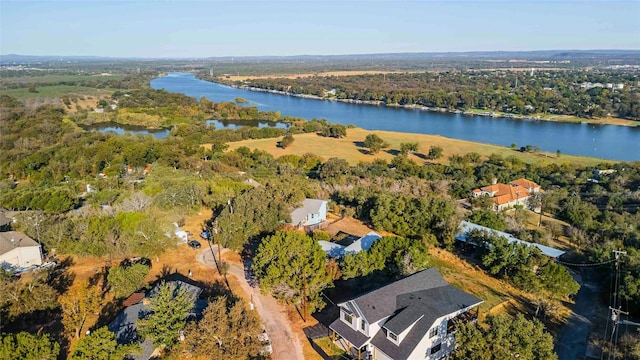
{"type": "Point", "coordinates": [573, 338]}
{"type": "Point", "coordinates": [286, 345]}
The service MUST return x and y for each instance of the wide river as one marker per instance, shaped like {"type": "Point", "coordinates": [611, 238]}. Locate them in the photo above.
{"type": "Point", "coordinates": [602, 141]}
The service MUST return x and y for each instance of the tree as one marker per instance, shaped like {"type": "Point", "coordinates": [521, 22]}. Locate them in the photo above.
{"type": "Point", "coordinates": [226, 332]}
{"type": "Point", "coordinates": [405, 148]}
{"type": "Point", "coordinates": [293, 268]}
{"type": "Point", "coordinates": [24, 346]}
{"type": "Point", "coordinates": [101, 344]}
{"type": "Point", "coordinates": [23, 296]}
{"type": "Point", "coordinates": [435, 152]}
{"type": "Point", "coordinates": [286, 141]}
{"type": "Point", "coordinates": [124, 280]}
{"type": "Point", "coordinates": [169, 307]}
{"type": "Point", "coordinates": [80, 301]}
{"type": "Point", "coordinates": [489, 219]}
{"type": "Point", "coordinates": [504, 338]}
{"type": "Point", "coordinates": [374, 143]}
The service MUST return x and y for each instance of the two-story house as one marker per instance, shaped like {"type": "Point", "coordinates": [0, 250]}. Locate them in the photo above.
{"type": "Point", "coordinates": [504, 196]}
{"type": "Point", "coordinates": [313, 212]}
{"type": "Point", "coordinates": [412, 318]}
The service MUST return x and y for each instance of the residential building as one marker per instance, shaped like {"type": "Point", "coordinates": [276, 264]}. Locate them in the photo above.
{"type": "Point", "coordinates": [18, 250]}
{"type": "Point", "coordinates": [505, 196]}
{"type": "Point", "coordinates": [466, 227]}
{"type": "Point", "coordinates": [412, 318]}
{"type": "Point", "coordinates": [312, 213]}
{"type": "Point", "coordinates": [335, 250]}
{"type": "Point", "coordinates": [124, 325]}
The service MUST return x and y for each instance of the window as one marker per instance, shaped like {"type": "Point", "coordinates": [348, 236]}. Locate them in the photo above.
{"type": "Point", "coordinates": [436, 348]}
{"type": "Point", "coordinates": [451, 326]}
{"type": "Point", "coordinates": [348, 318]}
{"type": "Point", "coordinates": [433, 332]}
{"type": "Point", "coordinates": [392, 336]}
{"type": "Point", "coordinates": [362, 324]}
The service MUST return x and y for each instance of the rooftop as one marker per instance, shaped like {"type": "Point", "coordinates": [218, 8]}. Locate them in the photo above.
{"type": "Point", "coordinates": [309, 206]}
{"type": "Point", "coordinates": [10, 240]}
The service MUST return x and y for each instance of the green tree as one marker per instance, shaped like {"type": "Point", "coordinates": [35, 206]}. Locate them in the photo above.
{"type": "Point", "coordinates": [124, 280]}
{"type": "Point", "coordinates": [226, 332]}
{"type": "Point", "coordinates": [101, 344]}
{"type": "Point", "coordinates": [374, 143]}
{"type": "Point", "coordinates": [435, 152]}
{"type": "Point", "coordinates": [169, 307]}
{"type": "Point", "coordinates": [286, 141]}
{"type": "Point", "coordinates": [293, 267]}
{"type": "Point", "coordinates": [23, 296]}
{"type": "Point", "coordinates": [504, 337]}
{"type": "Point", "coordinates": [24, 346]}
{"type": "Point", "coordinates": [489, 219]}
{"type": "Point", "coordinates": [405, 148]}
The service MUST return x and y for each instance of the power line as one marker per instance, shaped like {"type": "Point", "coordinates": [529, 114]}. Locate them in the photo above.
{"type": "Point", "coordinates": [585, 264]}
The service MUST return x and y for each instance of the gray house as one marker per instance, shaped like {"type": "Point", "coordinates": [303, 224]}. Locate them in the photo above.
{"type": "Point", "coordinates": [124, 325]}
{"type": "Point", "coordinates": [312, 212]}
{"type": "Point", "coordinates": [412, 318]}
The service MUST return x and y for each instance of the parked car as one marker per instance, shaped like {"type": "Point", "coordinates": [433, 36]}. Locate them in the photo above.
{"type": "Point", "coordinates": [136, 260]}
{"type": "Point", "coordinates": [194, 244]}
{"type": "Point", "coordinates": [205, 235]}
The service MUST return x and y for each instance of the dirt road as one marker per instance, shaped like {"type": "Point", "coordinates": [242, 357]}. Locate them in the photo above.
{"type": "Point", "coordinates": [286, 345]}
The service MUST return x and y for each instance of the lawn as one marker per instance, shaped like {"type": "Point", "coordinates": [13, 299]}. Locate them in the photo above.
{"type": "Point", "coordinates": [347, 148]}
{"type": "Point", "coordinates": [55, 91]}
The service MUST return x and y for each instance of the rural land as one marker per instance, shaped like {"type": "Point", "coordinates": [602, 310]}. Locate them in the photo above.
{"type": "Point", "coordinates": [138, 221]}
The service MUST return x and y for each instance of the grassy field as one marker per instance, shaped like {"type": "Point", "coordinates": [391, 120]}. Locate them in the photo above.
{"type": "Point", "coordinates": [55, 91]}
{"type": "Point", "coordinates": [347, 148]}
{"type": "Point", "coordinates": [57, 78]}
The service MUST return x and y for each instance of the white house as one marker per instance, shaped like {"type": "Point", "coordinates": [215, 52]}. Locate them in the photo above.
{"type": "Point", "coordinates": [17, 250]}
{"type": "Point", "coordinates": [336, 250]}
{"type": "Point", "coordinates": [312, 212]}
{"type": "Point", "coordinates": [413, 318]}
{"type": "Point", "coordinates": [466, 227]}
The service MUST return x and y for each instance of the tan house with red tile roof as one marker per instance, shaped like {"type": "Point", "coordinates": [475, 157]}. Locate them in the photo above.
{"type": "Point", "coordinates": [504, 196]}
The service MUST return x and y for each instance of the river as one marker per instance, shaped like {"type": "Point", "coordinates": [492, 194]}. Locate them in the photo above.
{"type": "Point", "coordinates": [601, 141]}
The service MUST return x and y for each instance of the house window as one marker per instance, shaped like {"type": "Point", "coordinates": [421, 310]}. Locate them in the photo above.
{"type": "Point", "coordinates": [433, 332]}
{"type": "Point", "coordinates": [392, 336]}
{"type": "Point", "coordinates": [348, 318]}
{"type": "Point", "coordinates": [436, 348]}
{"type": "Point", "coordinates": [362, 324]}
{"type": "Point", "coordinates": [451, 326]}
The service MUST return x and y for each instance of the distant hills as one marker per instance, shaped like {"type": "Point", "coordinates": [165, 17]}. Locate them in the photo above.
{"type": "Point", "coordinates": [480, 55]}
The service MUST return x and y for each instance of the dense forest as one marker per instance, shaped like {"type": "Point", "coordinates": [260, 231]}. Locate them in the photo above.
{"type": "Point", "coordinates": [85, 193]}
{"type": "Point", "coordinates": [561, 92]}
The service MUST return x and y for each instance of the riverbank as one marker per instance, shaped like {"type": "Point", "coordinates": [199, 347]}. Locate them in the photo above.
{"type": "Point", "coordinates": [470, 112]}
{"type": "Point", "coordinates": [349, 148]}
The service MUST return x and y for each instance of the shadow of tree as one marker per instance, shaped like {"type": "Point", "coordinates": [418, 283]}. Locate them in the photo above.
{"type": "Point", "coordinates": [393, 152]}
{"type": "Point", "coordinates": [59, 277]}
{"type": "Point", "coordinates": [359, 144]}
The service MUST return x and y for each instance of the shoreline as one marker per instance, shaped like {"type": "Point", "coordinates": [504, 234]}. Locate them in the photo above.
{"type": "Point", "coordinates": [466, 112]}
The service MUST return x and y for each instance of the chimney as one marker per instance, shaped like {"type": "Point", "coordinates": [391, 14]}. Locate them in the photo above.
{"type": "Point", "coordinates": [494, 181]}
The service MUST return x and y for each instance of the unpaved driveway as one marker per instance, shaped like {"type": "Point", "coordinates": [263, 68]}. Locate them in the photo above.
{"type": "Point", "coordinates": [286, 345]}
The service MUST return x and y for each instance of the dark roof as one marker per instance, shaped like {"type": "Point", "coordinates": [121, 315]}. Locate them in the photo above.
{"type": "Point", "coordinates": [416, 300]}
{"type": "Point", "coordinates": [381, 303]}
{"type": "Point", "coordinates": [124, 325]}
{"type": "Point", "coordinates": [356, 338]}
{"type": "Point", "coordinates": [425, 306]}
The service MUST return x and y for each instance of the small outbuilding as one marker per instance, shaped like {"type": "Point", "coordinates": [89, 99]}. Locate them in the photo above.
{"type": "Point", "coordinates": [312, 212]}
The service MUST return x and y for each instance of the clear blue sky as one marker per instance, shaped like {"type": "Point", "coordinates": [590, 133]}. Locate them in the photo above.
{"type": "Point", "coordinates": [237, 28]}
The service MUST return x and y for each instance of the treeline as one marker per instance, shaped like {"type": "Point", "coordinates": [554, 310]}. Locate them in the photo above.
{"type": "Point", "coordinates": [544, 92]}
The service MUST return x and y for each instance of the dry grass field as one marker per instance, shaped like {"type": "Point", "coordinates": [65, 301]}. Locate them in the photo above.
{"type": "Point", "coordinates": [303, 75]}
{"type": "Point", "coordinates": [347, 148]}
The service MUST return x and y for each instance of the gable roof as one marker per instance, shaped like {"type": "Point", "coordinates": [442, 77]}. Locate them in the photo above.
{"type": "Point", "coordinates": [417, 300]}
{"type": "Point", "coordinates": [309, 206]}
{"type": "Point", "coordinates": [465, 227]}
{"type": "Point", "coordinates": [10, 240]}
{"type": "Point", "coordinates": [420, 309]}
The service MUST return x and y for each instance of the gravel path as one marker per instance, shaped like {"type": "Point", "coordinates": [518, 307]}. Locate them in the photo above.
{"type": "Point", "coordinates": [286, 345]}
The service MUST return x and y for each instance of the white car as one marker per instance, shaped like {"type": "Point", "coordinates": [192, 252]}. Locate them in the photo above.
{"type": "Point", "coordinates": [267, 349]}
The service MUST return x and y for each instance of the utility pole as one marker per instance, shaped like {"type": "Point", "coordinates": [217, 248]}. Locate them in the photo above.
{"type": "Point", "coordinates": [616, 310]}
{"type": "Point", "coordinates": [216, 231]}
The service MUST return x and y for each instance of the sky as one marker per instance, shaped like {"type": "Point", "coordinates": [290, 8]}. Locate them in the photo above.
{"type": "Point", "coordinates": [179, 28]}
